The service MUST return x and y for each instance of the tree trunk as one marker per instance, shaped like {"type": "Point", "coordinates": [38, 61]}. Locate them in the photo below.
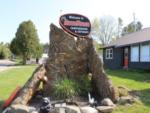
{"type": "Point", "coordinates": [30, 87]}
{"type": "Point", "coordinates": [24, 59]}
{"type": "Point", "coordinates": [37, 60]}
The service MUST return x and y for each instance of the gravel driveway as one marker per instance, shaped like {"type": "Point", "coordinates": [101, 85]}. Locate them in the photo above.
{"type": "Point", "coordinates": [6, 64]}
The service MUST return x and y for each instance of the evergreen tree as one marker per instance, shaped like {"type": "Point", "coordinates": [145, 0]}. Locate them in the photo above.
{"type": "Point", "coordinates": [26, 42]}
{"type": "Point", "coordinates": [132, 27]}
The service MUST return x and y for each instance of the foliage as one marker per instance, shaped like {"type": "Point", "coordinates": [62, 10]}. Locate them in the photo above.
{"type": "Point", "coordinates": [68, 88]}
{"type": "Point", "coordinates": [64, 88]}
{"type": "Point", "coordinates": [105, 29]}
{"type": "Point", "coordinates": [135, 80]}
{"type": "Point", "coordinates": [26, 42]}
{"type": "Point", "coordinates": [4, 51]}
{"type": "Point", "coordinates": [39, 51]}
{"type": "Point", "coordinates": [132, 27]}
{"type": "Point", "coordinates": [14, 47]}
{"type": "Point", "coordinates": [84, 85]}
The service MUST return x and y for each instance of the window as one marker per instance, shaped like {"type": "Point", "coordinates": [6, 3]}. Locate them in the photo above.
{"type": "Point", "coordinates": [134, 53]}
{"type": "Point", "coordinates": [109, 53]}
{"type": "Point", "coordinates": [145, 53]}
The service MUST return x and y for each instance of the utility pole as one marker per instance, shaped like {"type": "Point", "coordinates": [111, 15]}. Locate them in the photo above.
{"type": "Point", "coordinates": [118, 29]}
{"type": "Point", "coordinates": [61, 11]}
{"type": "Point", "coordinates": [134, 22]}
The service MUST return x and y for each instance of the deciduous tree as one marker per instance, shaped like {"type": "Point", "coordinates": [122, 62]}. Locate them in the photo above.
{"type": "Point", "coordinates": [104, 29]}
{"type": "Point", "coordinates": [4, 51]}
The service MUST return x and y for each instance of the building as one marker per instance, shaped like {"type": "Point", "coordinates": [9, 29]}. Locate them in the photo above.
{"type": "Point", "coordinates": [129, 51]}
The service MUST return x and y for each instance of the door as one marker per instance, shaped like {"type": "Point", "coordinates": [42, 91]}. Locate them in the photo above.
{"type": "Point", "coordinates": [125, 58]}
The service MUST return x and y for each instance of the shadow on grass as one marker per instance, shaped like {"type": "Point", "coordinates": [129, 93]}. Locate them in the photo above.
{"type": "Point", "coordinates": [1, 102]}
{"type": "Point", "coordinates": [143, 95]}
{"type": "Point", "coordinates": [137, 75]}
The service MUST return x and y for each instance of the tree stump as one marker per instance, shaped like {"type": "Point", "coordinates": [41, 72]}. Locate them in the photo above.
{"type": "Point", "coordinates": [31, 86]}
{"type": "Point", "coordinates": [75, 57]}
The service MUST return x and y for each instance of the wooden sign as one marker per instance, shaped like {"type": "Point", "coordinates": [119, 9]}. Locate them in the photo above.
{"type": "Point", "coordinates": [75, 24]}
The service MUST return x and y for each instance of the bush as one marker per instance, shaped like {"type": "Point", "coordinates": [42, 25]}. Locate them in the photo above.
{"type": "Point", "coordinates": [84, 85]}
{"type": "Point", "coordinates": [4, 51]}
{"type": "Point", "coordinates": [64, 88]}
{"type": "Point", "coordinates": [68, 88]}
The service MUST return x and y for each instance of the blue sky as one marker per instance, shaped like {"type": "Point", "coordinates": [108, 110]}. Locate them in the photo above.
{"type": "Point", "coordinates": [44, 12]}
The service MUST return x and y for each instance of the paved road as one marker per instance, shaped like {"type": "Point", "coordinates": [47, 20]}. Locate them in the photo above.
{"type": "Point", "coordinates": [6, 64]}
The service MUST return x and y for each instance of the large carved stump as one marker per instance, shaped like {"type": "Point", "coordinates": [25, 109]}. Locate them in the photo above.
{"type": "Point", "coordinates": [75, 57]}
{"type": "Point", "coordinates": [67, 57]}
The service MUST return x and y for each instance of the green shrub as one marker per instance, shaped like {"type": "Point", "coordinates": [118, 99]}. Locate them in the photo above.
{"type": "Point", "coordinates": [4, 51]}
{"type": "Point", "coordinates": [84, 85]}
{"type": "Point", "coordinates": [64, 88]}
{"type": "Point", "coordinates": [68, 88]}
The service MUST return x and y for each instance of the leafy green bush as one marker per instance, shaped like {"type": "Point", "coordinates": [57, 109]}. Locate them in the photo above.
{"type": "Point", "coordinates": [84, 85]}
{"type": "Point", "coordinates": [68, 88]}
{"type": "Point", "coordinates": [64, 88]}
{"type": "Point", "coordinates": [4, 51]}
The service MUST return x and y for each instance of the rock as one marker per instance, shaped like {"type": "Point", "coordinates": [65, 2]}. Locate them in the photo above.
{"type": "Point", "coordinates": [22, 109]}
{"type": "Point", "coordinates": [123, 91]}
{"type": "Point", "coordinates": [119, 92]}
{"type": "Point", "coordinates": [88, 110]}
{"type": "Point", "coordinates": [126, 100]}
{"type": "Point", "coordinates": [61, 110]}
{"type": "Point", "coordinates": [72, 109]}
{"type": "Point", "coordinates": [60, 105]}
{"type": "Point", "coordinates": [105, 109]}
{"type": "Point", "coordinates": [82, 103]}
{"type": "Point", "coordinates": [34, 112]}
{"type": "Point", "coordinates": [107, 102]}
{"type": "Point", "coordinates": [115, 94]}
{"type": "Point", "coordinates": [67, 109]}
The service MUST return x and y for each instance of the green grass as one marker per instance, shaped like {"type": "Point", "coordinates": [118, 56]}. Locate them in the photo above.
{"type": "Point", "coordinates": [134, 80]}
{"type": "Point", "coordinates": [10, 79]}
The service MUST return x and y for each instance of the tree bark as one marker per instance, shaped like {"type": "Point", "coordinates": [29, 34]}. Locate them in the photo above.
{"type": "Point", "coordinates": [24, 59]}
{"type": "Point", "coordinates": [101, 85]}
{"type": "Point", "coordinates": [30, 87]}
{"type": "Point", "coordinates": [37, 60]}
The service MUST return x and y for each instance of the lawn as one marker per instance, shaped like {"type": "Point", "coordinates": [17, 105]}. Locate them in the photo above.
{"type": "Point", "coordinates": [135, 80]}
{"type": "Point", "coordinates": [11, 78]}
